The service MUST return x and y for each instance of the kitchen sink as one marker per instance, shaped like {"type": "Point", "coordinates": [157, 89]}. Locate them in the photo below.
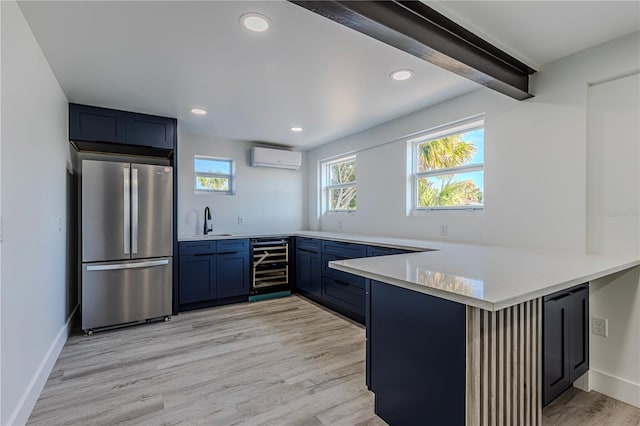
{"type": "Point", "coordinates": [199, 237]}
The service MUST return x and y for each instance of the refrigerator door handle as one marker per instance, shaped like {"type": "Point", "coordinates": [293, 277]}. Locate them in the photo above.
{"type": "Point", "coordinates": [126, 211]}
{"type": "Point", "coordinates": [134, 210]}
{"type": "Point", "coordinates": [136, 265]}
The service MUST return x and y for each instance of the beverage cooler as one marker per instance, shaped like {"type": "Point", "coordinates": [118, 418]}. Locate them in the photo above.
{"type": "Point", "coordinates": [270, 272]}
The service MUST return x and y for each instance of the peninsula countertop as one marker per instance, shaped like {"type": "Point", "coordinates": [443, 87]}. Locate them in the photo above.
{"type": "Point", "coordinates": [487, 277]}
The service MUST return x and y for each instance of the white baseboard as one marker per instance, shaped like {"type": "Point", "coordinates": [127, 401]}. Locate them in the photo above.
{"type": "Point", "coordinates": [583, 383]}
{"type": "Point", "coordinates": [615, 387]}
{"type": "Point", "coordinates": [21, 414]}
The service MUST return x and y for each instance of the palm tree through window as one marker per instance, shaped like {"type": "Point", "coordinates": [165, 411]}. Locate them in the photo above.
{"type": "Point", "coordinates": [449, 167]}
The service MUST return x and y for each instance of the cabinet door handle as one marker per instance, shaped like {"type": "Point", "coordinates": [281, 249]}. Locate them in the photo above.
{"type": "Point", "coordinates": [307, 250]}
{"type": "Point", "coordinates": [342, 283]}
{"type": "Point", "coordinates": [203, 254]}
{"type": "Point", "coordinates": [126, 209]}
{"type": "Point", "coordinates": [134, 211]}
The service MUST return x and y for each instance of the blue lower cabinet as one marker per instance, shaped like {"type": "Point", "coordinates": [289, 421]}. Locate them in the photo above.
{"type": "Point", "coordinates": [373, 251]}
{"type": "Point", "coordinates": [213, 273]}
{"type": "Point", "coordinates": [565, 340]}
{"type": "Point", "coordinates": [344, 295]}
{"type": "Point", "coordinates": [233, 246]}
{"type": "Point", "coordinates": [197, 278]}
{"type": "Point", "coordinates": [343, 249]}
{"type": "Point", "coordinates": [340, 291]}
{"type": "Point", "coordinates": [416, 357]}
{"type": "Point", "coordinates": [233, 274]}
{"type": "Point", "coordinates": [308, 273]}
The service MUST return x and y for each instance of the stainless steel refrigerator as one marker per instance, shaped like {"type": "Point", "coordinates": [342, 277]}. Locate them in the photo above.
{"type": "Point", "coordinates": [127, 242]}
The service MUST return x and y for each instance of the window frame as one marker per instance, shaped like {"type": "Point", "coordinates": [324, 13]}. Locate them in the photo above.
{"type": "Point", "coordinates": [456, 128]}
{"type": "Point", "coordinates": [231, 176]}
{"type": "Point", "coordinates": [328, 187]}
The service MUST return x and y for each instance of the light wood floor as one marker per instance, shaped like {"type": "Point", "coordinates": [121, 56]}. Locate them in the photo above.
{"type": "Point", "coordinates": [575, 407]}
{"type": "Point", "coordinates": [277, 362]}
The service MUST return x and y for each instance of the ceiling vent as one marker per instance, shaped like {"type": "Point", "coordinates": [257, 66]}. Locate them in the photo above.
{"type": "Point", "coordinates": [277, 158]}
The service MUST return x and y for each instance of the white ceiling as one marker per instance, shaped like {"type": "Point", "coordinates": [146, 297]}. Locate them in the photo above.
{"type": "Point", "coordinates": [538, 32]}
{"type": "Point", "coordinates": [165, 57]}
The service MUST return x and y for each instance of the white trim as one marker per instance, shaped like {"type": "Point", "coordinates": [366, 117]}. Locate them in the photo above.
{"type": "Point", "coordinates": [341, 185]}
{"type": "Point", "coordinates": [231, 176]}
{"type": "Point", "coordinates": [610, 79]}
{"type": "Point", "coordinates": [459, 127]}
{"type": "Point", "coordinates": [463, 209]}
{"type": "Point", "coordinates": [338, 159]}
{"type": "Point", "coordinates": [21, 413]}
{"type": "Point", "coordinates": [468, 168]}
{"type": "Point", "coordinates": [328, 187]}
{"type": "Point", "coordinates": [615, 387]}
{"type": "Point", "coordinates": [582, 383]}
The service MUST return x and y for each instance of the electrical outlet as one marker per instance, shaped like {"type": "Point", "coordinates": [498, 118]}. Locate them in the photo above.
{"type": "Point", "coordinates": [444, 230]}
{"type": "Point", "coordinates": [339, 224]}
{"type": "Point", "coordinates": [600, 326]}
{"type": "Point", "coordinates": [1, 230]}
{"type": "Point", "coordinates": [240, 220]}
{"type": "Point", "coordinates": [59, 224]}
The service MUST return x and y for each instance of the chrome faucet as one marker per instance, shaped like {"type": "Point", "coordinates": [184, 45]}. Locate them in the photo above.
{"type": "Point", "coordinates": [208, 226]}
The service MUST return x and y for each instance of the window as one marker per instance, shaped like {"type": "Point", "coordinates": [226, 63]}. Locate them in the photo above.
{"type": "Point", "coordinates": [340, 184]}
{"type": "Point", "coordinates": [448, 167]}
{"type": "Point", "coordinates": [214, 174]}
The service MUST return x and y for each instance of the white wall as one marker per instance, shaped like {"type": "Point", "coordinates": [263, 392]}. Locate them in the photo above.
{"type": "Point", "coordinates": [615, 360]}
{"type": "Point", "coordinates": [613, 160]}
{"type": "Point", "coordinates": [269, 200]}
{"type": "Point", "coordinates": [535, 165]}
{"type": "Point", "coordinates": [34, 160]}
{"type": "Point", "coordinates": [613, 226]}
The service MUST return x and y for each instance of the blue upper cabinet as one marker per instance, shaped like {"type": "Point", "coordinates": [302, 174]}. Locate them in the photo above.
{"type": "Point", "coordinates": [93, 124]}
{"type": "Point", "coordinates": [110, 126]}
{"type": "Point", "coordinates": [149, 130]}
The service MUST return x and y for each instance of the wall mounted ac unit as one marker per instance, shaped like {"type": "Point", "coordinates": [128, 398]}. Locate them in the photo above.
{"type": "Point", "coordinates": [278, 158]}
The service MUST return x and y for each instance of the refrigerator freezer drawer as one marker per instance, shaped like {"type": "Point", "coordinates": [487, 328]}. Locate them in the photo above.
{"type": "Point", "coordinates": [121, 292]}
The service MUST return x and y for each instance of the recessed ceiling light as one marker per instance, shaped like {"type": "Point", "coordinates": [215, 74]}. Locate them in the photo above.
{"type": "Point", "coordinates": [255, 22]}
{"type": "Point", "coordinates": [296, 129]}
{"type": "Point", "coordinates": [198, 111]}
{"type": "Point", "coordinates": [401, 75]}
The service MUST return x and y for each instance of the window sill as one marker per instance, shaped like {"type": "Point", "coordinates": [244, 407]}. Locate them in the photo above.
{"type": "Point", "coordinates": [212, 192]}
{"type": "Point", "coordinates": [436, 210]}
{"type": "Point", "coordinates": [340, 212]}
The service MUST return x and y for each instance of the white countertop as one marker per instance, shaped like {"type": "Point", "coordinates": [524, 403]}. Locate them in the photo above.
{"type": "Point", "coordinates": [408, 244]}
{"type": "Point", "coordinates": [486, 277]}
{"type": "Point", "coordinates": [221, 236]}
